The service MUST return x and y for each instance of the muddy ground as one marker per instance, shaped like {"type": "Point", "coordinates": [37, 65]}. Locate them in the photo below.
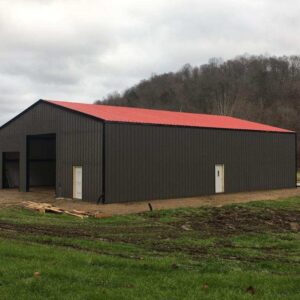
{"type": "Point", "coordinates": [157, 234]}
{"type": "Point", "coordinates": [12, 197]}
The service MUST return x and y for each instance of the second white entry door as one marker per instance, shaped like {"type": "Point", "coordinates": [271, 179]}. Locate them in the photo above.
{"type": "Point", "coordinates": [219, 178]}
{"type": "Point", "coordinates": [77, 182]}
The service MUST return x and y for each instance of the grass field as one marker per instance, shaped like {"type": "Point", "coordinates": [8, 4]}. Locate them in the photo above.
{"type": "Point", "coordinates": [249, 251]}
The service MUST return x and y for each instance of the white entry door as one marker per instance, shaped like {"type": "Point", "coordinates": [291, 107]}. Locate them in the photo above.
{"type": "Point", "coordinates": [219, 178]}
{"type": "Point", "coordinates": [77, 182]}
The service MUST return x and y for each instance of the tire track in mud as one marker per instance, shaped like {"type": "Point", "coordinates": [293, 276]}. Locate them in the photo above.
{"type": "Point", "coordinates": [152, 235]}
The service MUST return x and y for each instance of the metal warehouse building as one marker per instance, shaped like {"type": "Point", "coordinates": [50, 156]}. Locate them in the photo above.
{"type": "Point", "coordinates": [117, 154]}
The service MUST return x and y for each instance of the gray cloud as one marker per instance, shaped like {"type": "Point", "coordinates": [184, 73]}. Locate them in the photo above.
{"type": "Point", "coordinates": [82, 50]}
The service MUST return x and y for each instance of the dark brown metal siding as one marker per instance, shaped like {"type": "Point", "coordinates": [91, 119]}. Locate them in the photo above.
{"type": "Point", "coordinates": [155, 162]}
{"type": "Point", "coordinates": [78, 142]}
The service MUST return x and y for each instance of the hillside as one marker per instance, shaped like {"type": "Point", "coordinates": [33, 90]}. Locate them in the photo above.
{"type": "Point", "coordinates": [257, 88]}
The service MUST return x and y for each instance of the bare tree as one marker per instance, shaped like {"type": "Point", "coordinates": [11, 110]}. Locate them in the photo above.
{"type": "Point", "coordinates": [258, 88]}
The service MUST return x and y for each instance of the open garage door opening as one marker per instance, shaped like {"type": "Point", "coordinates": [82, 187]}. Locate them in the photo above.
{"type": "Point", "coordinates": [11, 170]}
{"type": "Point", "coordinates": [41, 161]}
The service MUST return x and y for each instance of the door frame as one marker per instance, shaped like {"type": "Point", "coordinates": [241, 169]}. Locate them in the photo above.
{"type": "Point", "coordinates": [4, 161]}
{"type": "Point", "coordinates": [29, 138]}
{"type": "Point", "coordinates": [74, 182]}
{"type": "Point", "coordinates": [223, 178]}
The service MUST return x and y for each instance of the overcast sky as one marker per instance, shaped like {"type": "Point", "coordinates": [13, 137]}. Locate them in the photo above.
{"type": "Point", "coordinates": [83, 50]}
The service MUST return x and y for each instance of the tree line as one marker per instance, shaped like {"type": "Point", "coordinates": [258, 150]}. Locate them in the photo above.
{"type": "Point", "coordinates": [257, 88]}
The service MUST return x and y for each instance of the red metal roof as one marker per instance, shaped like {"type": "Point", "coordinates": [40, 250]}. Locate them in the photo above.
{"type": "Point", "coordinates": [162, 117]}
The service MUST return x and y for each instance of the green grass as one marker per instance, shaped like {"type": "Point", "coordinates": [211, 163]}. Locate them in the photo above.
{"type": "Point", "coordinates": [152, 256]}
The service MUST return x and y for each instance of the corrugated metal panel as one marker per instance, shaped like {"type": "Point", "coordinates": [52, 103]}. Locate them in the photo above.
{"type": "Point", "coordinates": [78, 142]}
{"type": "Point", "coordinates": [163, 117]}
{"type": "Point", "coordinates": [156, 162]}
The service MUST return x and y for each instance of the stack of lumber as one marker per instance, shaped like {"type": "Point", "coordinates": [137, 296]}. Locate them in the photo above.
{"type": "Point", "coordinates": [46, 207]}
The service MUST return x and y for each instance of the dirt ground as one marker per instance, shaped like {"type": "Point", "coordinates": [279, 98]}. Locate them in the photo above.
{"type": "Point", "coordinates": [12, 197]}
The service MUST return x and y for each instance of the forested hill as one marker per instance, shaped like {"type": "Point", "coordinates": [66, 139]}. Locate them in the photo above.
{"type": "Point", "coordinates": [256, 88]}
